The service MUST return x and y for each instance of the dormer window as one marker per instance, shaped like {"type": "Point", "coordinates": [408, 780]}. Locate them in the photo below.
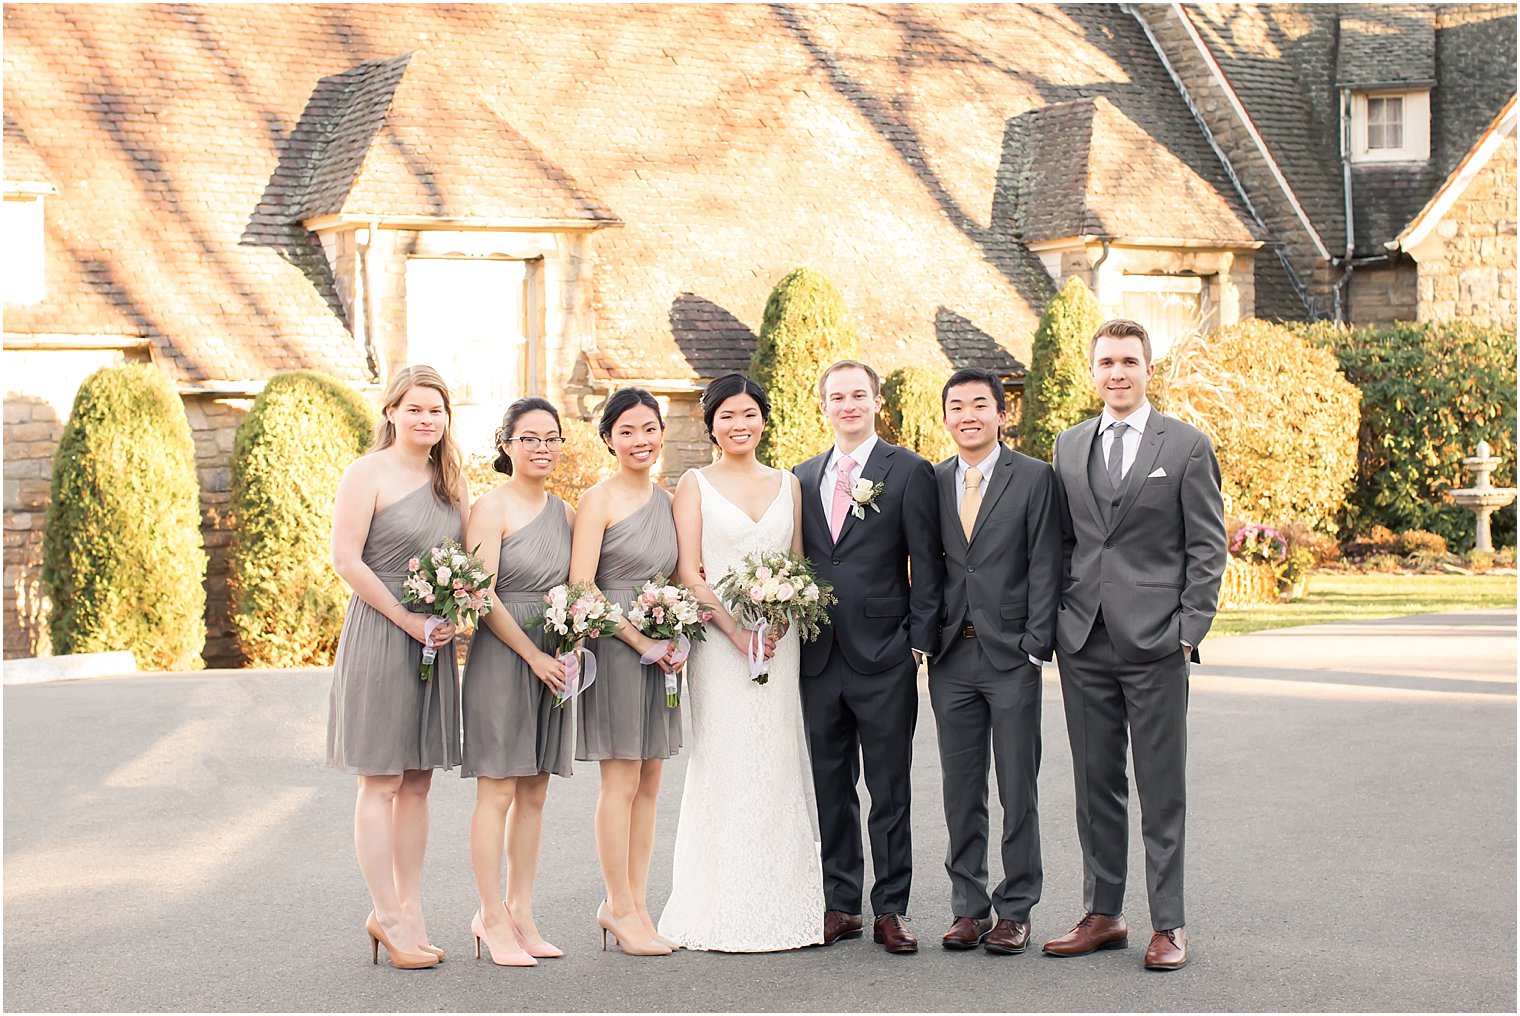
{"type": "Point", "coordinates": [1390, 126]}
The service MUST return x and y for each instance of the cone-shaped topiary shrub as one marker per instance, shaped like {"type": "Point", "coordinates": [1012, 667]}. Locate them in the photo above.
{"type": "Point", "coordinates": [289, 454]}
{"type": "Point", "coordinates": [806, 327]}
{"type": "Point", "coordinates": [913, 415]}
{"type": "Point", "coordinates": [1058, 390]}
{"type": "Point", "coordinates": [122, 558]}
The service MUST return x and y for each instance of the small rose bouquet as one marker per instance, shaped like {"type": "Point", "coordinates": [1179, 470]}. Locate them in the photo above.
{"type": "Point", "coordinates": [451, 584]}
{"type": "Point", "coordinates": [771, 589]}
{"type": "Point", "coordinates": [669, 613]}
{"type": "Point", "coordinates": [574, 612]}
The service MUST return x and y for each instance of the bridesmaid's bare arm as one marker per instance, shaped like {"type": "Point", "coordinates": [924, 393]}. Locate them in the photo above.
{"type": "Point", "coordinates": [353, 511]}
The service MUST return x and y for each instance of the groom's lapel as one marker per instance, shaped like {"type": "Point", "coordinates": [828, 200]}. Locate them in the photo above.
{"type": "Point", "coordinates": [809, 477]}
{"type": "Point", "coordinates": [876, 469]}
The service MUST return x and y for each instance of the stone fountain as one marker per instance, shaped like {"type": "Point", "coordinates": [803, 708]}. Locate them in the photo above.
{"type": "Point", "coordinates": [1482, 498]}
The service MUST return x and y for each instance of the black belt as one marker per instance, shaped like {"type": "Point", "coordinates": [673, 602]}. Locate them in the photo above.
{"type": "Point", "coordinates": [968, 631]}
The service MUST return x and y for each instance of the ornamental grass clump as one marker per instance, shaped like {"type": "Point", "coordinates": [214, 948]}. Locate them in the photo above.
{"type": "Point", "coordinates": [912, 415]}
{"type": "Point", "coordinates": [122, 558]}
{"type": "Point", "coordinates": [287, 458]}
{"type": "Point", "coordinates": [805, 328]}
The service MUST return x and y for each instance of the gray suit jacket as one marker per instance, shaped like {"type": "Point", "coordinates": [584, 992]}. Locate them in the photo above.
{"type": "Point", "coordinates": [1155, 566]}
{"type": "Point", "coordinates": [1007, 577]}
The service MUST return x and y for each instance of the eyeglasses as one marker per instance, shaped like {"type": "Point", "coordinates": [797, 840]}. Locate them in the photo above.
{"type": "Point", "coordinates": [533, 444]}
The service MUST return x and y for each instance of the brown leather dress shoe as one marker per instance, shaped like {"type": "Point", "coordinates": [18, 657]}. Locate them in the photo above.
{"type": "Point", "coordinates": [966, 932]}
{"type": "Point", "coordinates": [837, 925]}
{"type": "Point", "coordinates": [1168, 950]}
{"type": "Point", "coordinates": [1093, 931]}
{"type": "Point", "coordinates": [892, 932]}
{"type": "Point", "coordinates": [1008, 938]}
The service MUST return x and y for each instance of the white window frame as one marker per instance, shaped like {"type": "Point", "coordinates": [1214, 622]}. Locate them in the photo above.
{"type": "Point", "coordinates": [1416, 127]}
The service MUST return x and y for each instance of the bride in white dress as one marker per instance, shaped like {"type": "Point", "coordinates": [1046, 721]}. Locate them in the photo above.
{"type": "Point", "coordinates": [746, 875]}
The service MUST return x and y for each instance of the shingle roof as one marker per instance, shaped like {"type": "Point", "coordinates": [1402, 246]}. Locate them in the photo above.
{"type": "Point", "coordinates": [1386, 44]}
{"type": "Point", "coordinates": [735, 142]}
{"type": "Point", "coordinates": [22, 163]}
{"type": "Point", "coordinates": [1084, 168]}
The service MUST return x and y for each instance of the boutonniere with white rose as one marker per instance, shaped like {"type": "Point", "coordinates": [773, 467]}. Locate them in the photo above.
{"type": "Point", "coordinates": [865, 494]}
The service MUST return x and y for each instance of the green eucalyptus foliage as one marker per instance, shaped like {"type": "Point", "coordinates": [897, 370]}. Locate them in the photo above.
{"type": "Point", "coordinates": [122, 557]}
{"type": "Point", "coordinates": [912, 415]}
{"type": "Point", "coordinates": [1430, 393]}
{"type": "Point", "coordinates": [1058, 390]}
{"type": "Point", "coordinates": [806, 327]}
{"type": "Point", "coordinates": [287, 458]}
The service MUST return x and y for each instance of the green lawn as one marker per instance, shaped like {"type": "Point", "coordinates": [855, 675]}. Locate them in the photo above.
{"type": "Point", "coordinates": [1348, 596]}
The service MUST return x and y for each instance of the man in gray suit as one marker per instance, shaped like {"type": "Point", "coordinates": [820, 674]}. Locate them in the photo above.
{"type": "Point", "coordinates": [1002, 540]}
{"type": "Point", "coordinates": [1144, 551]}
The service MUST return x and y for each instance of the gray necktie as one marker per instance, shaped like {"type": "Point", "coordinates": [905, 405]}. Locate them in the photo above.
{"type": "Point", "coordinates": [1116, 455]}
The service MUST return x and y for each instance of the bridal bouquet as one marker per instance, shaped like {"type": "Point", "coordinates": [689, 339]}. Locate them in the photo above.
{"type": "Point", "coordinates": [574, 612]}
{"type": "Point", "coordinates": [451, 583]}
{"type": "Point", "coordinates": [669, 613]}
{"type": "Point", "coordinates": [771, 589]}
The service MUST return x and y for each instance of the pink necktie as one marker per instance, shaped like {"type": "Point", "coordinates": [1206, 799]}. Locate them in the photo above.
{"type": "Point", "coordinates": [842, 499]}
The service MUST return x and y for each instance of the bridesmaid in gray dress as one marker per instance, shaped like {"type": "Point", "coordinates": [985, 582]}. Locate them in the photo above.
{"type": "Point", "coordinates": [385, 724]}
{"type": "Point", "coordinates": [513, 736]}
{"type": "Point", "coordinates": [624, 535]}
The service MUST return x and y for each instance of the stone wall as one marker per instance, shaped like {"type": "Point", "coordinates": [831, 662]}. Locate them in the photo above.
{"type": "Point", "coordinates": [1468, 272]}
{"type": "Point", "coordinates": [213, 425]}
{"type": "Point", "coordinates": [1383, 294]}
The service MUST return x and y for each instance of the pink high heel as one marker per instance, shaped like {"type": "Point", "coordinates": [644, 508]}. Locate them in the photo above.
{"type": "Point", "coordinates": [517, 959]}
{"type": "Point", "coordinates": [542, 950]}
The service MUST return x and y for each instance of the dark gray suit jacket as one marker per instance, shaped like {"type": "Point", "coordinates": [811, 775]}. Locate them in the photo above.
{"type": "Point", "coordinates": [1155, 566]}
{"type": "Point", "coordinates": [1007, 578]}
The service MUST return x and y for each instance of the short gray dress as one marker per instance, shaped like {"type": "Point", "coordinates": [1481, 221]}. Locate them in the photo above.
{"type": "Point", "coordinates": [623, 714]}
{"type": "Point", "coordinates": [511, 727]}
{"type": "Point", "coordinates": [382, 718]}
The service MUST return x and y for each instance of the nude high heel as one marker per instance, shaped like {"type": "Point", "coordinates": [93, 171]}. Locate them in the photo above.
{"type": "Point", "coordinates": [605, 919]}
{"type": "Point", "coordinates": [541, 949]}
{"type": "Point", "coordinates": [400, 959]}
{"type": "Point", "coordinates": [501, 959]}
{"type": "Point", "coordinates": [436, 952]}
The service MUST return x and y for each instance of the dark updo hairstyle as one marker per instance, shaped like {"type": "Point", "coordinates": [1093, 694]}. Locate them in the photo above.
{"type": "Point", "coordinates": [516, 411]}
{"type": "Point", "coordinates": [618, 403]}
{"type": "Point", "coordinates": [726, 387]}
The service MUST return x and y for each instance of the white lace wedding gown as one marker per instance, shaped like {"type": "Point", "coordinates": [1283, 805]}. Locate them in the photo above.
{"type": "Point", "coordinates": [746, 875]}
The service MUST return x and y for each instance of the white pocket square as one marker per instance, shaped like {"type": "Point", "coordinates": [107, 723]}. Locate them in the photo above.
{"type": "Point", "coordinates": [1159, 472]}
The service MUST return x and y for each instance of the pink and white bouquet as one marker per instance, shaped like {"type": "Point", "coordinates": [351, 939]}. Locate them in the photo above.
{"type": "Point", "coordinates": [452, 584]}
{"type": "Point", "coordinates": [669, 613]}
{"type": "Point", "coordinates": [771, 589]}
{"type": "Point", "coordinates": [574, 612]}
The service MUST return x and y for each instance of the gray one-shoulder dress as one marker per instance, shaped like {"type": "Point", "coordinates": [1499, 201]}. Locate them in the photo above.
{"type": "Point", "coordinates": [511, 727]}
{"type": "Point", "coordinates": [624, 715]}
{"type": "Point", "coordinates": [382, 718]}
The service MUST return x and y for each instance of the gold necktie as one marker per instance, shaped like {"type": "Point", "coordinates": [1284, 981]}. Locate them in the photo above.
{"type": "Point", "coordinates": [972, 501]}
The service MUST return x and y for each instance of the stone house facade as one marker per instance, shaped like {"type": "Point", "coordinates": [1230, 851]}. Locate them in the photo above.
{"type": "Point", "coordinates": [560, 199]}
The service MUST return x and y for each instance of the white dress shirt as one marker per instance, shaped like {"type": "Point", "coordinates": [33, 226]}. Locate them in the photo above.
{"type": "Point", "coordinates": [831, 471]}
{"type": "Point", "coordinates": [1136, 421]}
{"type": "Point", "coordinates": [961, 465]}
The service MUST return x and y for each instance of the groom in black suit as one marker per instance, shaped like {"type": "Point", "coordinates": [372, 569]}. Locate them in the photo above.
{"type": "Point", "coordinates": [868, 506]}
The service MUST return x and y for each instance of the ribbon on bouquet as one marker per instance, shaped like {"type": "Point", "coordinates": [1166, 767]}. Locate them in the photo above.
{"type": "Point", "coordinates": [759, 666]}
{"type": "Point", "coordinates": [430, 651]}
{"type": "Point", "coordinates": [580, 674]}
{"type": "Point", "coordinates": [672, 681]}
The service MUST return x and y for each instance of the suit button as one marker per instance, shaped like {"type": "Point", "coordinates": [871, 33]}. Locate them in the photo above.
{"type": "Point", "coordinates": [836, 561]}
{"type": "Point", "coordinates": [1107, 546]}
{"type": "Point", "coordinates": [970, 570]}
{"type": "Point", "coordinates": [1115, 504]}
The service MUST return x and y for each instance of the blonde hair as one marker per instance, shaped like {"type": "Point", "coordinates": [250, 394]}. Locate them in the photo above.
{"type": "Point", "coordinates": [871, 378]}
{"type": "Point", "coordinates": [444, 458]}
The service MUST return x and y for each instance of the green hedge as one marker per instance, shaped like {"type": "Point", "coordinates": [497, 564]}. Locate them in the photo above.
{"type": "Point", "coordinates": [1282, 417]}
{"type": "Point", "coordinates": [1058, 390]}
{"type": "Point", "coordinates": [913, 415]}
{"type": "Point", "coordinates": [288, 456]}
{"type": "Point", "coordinates": [806, 327]}
{"type": "Point", "coordinates": [122, 558]}
{"type": "Point", "coordinates": [1430, 392]}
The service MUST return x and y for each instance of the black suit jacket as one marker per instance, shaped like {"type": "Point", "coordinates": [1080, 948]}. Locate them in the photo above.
{"type": "Point", "coordinates": [879, 618]}
{"type": "Point", "coordinates": [1007, 578]}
